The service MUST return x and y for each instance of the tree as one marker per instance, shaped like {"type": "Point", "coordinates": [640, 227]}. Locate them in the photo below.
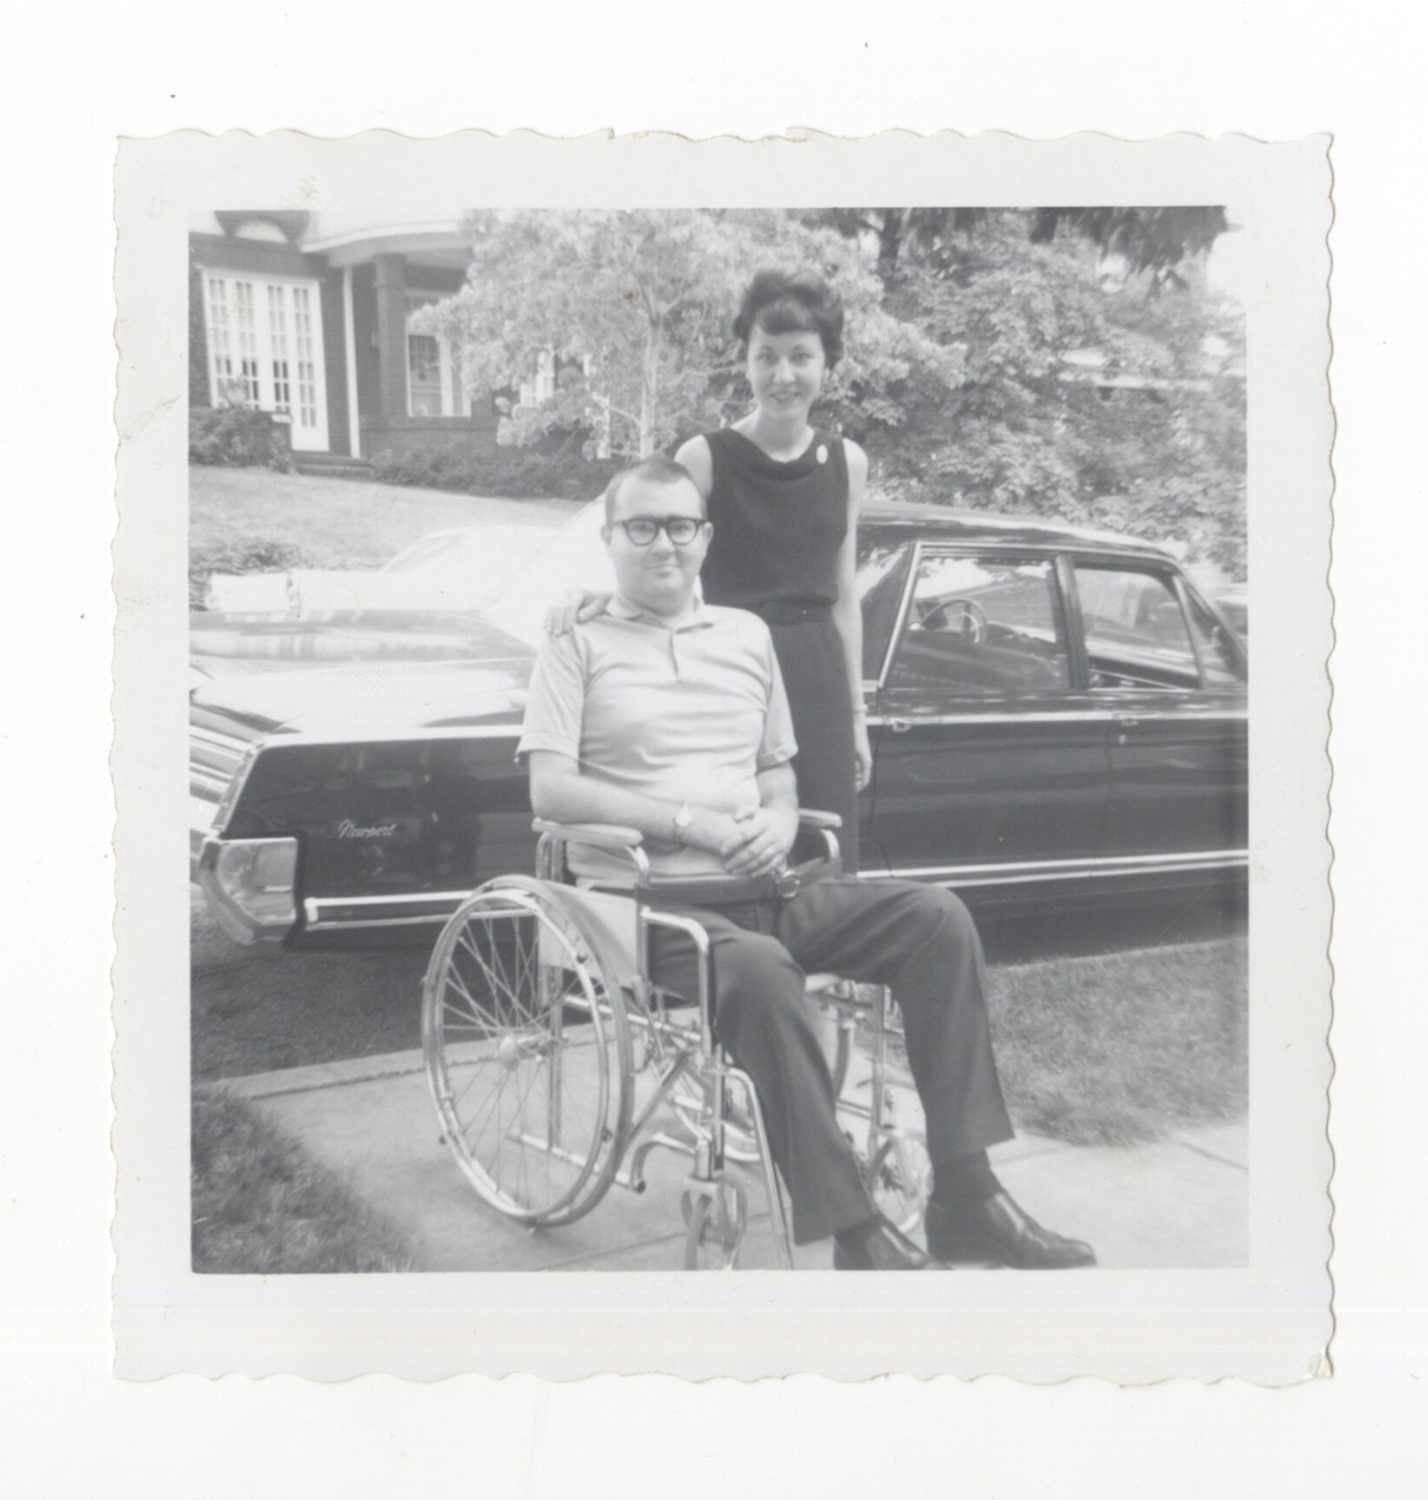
{"type": "Point", "coordinates": [1108, 403]}
{"type": "Point", "coordinates": [1151, 238]}
{"type": "Point", "coordinates": [991, 363]}
{"type": "Point", "coordinates": [637, 307]}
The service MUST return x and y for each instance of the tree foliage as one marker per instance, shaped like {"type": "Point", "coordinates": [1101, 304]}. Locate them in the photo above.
{"type": "Point", "coordinates": [637, 308]}
{"type": "Point", "coordinates": [1068, 362]}
{"type": "Point", "coordinates": [1108, 399]}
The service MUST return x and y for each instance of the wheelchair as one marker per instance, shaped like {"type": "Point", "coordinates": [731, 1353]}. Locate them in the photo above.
{"type": "Point", "coordinates": [556, 1066]}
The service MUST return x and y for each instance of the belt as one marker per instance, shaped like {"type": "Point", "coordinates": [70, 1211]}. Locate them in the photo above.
{"type": "Point", "coordinates": [793, 611]}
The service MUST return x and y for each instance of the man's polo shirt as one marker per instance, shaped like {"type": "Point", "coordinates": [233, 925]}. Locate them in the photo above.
{"type": "Point", "coordinates": [688, 714]}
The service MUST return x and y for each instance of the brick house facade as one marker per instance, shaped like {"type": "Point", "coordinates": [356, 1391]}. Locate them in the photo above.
{"type": "Point", "coordinates": [306, 315]}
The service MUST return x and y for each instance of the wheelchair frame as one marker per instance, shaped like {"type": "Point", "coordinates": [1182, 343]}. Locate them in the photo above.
{"type": "Point", "coordinates": [535, 985]}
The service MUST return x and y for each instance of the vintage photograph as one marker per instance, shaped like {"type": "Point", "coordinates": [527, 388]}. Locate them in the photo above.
{"type": "Point", "coordinates": [858, 597]}
{"type": "Point", "coordinates": [722, 752]}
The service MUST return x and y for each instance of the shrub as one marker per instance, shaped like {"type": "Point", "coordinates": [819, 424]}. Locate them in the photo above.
{"type": "Point", "coordinates": [514, 474]}
{"type": "Point", "coordinates": [237, 438]}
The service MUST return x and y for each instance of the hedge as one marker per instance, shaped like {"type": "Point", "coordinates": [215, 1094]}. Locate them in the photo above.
{"type": "Point", "coordinates": [515, 473]}
{"type": "Point", "coordinates": [235, 437]}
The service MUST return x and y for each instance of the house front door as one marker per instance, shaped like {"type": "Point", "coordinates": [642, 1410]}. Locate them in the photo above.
{"type": "Point", "coordinates": [265, 351]}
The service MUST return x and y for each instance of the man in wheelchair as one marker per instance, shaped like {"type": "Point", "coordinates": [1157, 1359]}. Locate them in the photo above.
{"type": "Point", "coordinates": [668, 716]}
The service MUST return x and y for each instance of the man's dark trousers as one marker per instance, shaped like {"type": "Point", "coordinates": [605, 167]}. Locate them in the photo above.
{"type": "Point", "coordinates": [917, 938]}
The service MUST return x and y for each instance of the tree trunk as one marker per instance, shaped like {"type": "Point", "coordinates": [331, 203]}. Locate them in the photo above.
{"type": "Point", "coordinates": [889, 242]}
{"type": "Point", "coordinates": [649, 392]}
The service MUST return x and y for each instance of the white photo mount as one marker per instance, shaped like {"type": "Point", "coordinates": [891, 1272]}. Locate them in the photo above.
{"type": "Point", "coordinates": [1268, 1321]}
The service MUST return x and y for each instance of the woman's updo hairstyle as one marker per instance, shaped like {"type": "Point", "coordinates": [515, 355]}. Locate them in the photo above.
{"type": "Point", "coordinates": [792, 302]}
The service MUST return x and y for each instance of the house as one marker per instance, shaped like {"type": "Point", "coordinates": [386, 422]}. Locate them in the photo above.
{"type": "Point", "coordinates": [306, 314]}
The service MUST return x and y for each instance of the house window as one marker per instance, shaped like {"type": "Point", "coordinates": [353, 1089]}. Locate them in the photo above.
{"type": "Point", "coordinates": [278, 339]}
{"type": "Point", "coordinates": [434, 384]}
{"type": "Point", "coordinates": [265, 351]}
{"type": "Point", "coordinates": [542, 386]}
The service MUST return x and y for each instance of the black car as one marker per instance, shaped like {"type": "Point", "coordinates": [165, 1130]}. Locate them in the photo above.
{"type": "Point", "coordinates": [1052, 710]}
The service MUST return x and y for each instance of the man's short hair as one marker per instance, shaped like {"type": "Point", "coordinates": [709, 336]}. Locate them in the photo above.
{"type": "Point", "coordinates": [657, 470]}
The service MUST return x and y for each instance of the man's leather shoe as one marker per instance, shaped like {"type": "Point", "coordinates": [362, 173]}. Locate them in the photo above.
{"type": "Point", "coordinates": [882, 1249]}
{"type": "Point", "coordinates": [998, 1231]}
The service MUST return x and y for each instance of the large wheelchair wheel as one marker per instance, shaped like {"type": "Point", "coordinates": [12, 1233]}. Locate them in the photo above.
{"type": "Point", "coordinates": [527, 1051]}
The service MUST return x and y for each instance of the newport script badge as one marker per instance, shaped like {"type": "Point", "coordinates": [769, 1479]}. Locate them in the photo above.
{"type": "Point", "coordinates": [347, 829]}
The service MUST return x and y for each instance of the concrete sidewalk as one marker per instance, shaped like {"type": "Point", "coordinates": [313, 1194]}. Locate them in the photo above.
{"type": "Point", "coordinates": [1181, 1203]}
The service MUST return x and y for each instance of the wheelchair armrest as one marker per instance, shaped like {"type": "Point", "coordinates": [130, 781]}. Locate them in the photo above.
{"type": "Point", "coordinates": [828, 862]}
{"type": "Point", "coordinates": [599, 835]}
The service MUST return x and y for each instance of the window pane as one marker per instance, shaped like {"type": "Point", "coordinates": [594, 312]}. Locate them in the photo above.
{"type": "Point", "coordinates": [424, 375]}
{"type": "Point", "coordinates": [1221, 665]}
{"type": "Point", "coordinates": [983, 626]}
{"type": "Point", "coordinates": [220, 342]}
{"type": "Point", "coordinates": [882, 573]}
{"type": "Point", "coordinates": [247, 341]}
{"type": "Point", "coordinates": [278, 342]}
{"type": "Point", "coordinates": [1135, 631]}
{"type": "Point", "coordinates": [304, 337]}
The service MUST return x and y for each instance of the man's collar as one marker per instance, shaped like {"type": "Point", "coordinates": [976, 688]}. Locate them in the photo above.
{"type": "Point", "coordinates": [622, 609]}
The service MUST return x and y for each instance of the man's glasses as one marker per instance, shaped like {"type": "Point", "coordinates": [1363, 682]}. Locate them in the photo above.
{"type": "Point", "coordinates": [642, 530]}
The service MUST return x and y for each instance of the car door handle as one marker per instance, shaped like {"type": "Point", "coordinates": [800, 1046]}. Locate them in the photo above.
{"type": "Point", "coordinates": [899, 726]}
{"type": "Point", "coordinates": [1125, 722]}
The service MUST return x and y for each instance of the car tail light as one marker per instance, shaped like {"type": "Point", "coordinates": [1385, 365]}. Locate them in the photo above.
{"type": "Point", "coordinates": [249, 885]}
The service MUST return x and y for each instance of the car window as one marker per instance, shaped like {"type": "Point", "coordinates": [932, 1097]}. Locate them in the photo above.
{"type": "Point", "coordinates": [882, 575]}
{"type": "Point", "coordinates": [422, 552]}
{"type": "Point", "coordinates": [982, 626]}
{"type": "Point", "coordinates": [1136, 635]}
{"type": "Point", "coordinates": [1221, 663]}
{"type": "Point", "coordinates": [574, 557]}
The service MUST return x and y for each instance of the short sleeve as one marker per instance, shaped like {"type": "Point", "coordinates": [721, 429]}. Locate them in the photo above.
{"type": "Point", "coordinates": [555, 708]}
{"type": "Point", "coordinates": [778, 744]}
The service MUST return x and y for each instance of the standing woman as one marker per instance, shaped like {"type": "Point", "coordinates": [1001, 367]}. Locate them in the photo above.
{"type": "Point", "coordinates": [784, 498]}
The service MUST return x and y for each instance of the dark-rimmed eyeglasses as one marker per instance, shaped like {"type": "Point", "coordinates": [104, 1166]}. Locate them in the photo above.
{"type": "Point", "coordinates": [642, 530]}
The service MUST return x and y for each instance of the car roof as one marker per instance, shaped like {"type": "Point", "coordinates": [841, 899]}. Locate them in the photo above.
{"type": "Point", "coordinates": [945, 523]}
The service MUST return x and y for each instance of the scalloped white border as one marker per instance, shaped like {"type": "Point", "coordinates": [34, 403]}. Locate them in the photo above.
{"type": "Point", "coordinates": [1269, 1323]}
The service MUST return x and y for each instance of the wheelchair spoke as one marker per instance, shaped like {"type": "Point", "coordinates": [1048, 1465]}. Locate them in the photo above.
{"type": "Point", "coordinates": [526, 1054]}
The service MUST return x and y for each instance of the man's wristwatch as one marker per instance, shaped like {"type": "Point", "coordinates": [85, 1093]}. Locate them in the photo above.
{"type": "Point", "coordinates": [683, 821]}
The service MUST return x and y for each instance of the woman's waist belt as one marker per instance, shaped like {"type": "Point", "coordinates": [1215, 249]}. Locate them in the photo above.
{"type": "Point", "coordinates": [794, 611]}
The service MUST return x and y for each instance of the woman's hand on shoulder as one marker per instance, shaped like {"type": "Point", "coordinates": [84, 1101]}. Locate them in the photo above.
{"type": "Point", "coordinates": [576, 608]}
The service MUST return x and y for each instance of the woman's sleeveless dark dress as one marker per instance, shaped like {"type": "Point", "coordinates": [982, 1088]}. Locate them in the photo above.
{"type": "Point", "coordinates": [778, 527]}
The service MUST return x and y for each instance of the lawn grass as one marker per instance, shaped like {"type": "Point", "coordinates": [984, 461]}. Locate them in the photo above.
{"type": "Point", "coordinates": [1124, 1047]}
{"type": "Point", "coordinates": [261, 1206]}
{"type": "Point", "coordinates": [311, 521]}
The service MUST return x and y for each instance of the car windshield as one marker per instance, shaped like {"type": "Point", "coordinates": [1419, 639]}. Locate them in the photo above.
{"type": "Point", "coordinates": [573, 559]}
{"type": "Point", "coordinates": [424, 553]}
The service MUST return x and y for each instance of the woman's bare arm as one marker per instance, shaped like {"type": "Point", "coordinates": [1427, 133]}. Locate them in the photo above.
{"type": "Point", "coordinates": [697, 457]}
{"type": "Point", "coordinates": [848, 611]}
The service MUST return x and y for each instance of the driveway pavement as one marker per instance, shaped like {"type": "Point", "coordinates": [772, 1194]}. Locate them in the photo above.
{"type": "Point", "coordinates": [1180, 1203]}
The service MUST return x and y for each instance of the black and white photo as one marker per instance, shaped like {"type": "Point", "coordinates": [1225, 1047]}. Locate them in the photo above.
{"type": "Point", "coordinates": [942, 523]}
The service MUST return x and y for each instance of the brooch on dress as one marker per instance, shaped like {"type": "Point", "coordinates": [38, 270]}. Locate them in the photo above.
{"type": "Point", "coordinates": [822, 454]}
